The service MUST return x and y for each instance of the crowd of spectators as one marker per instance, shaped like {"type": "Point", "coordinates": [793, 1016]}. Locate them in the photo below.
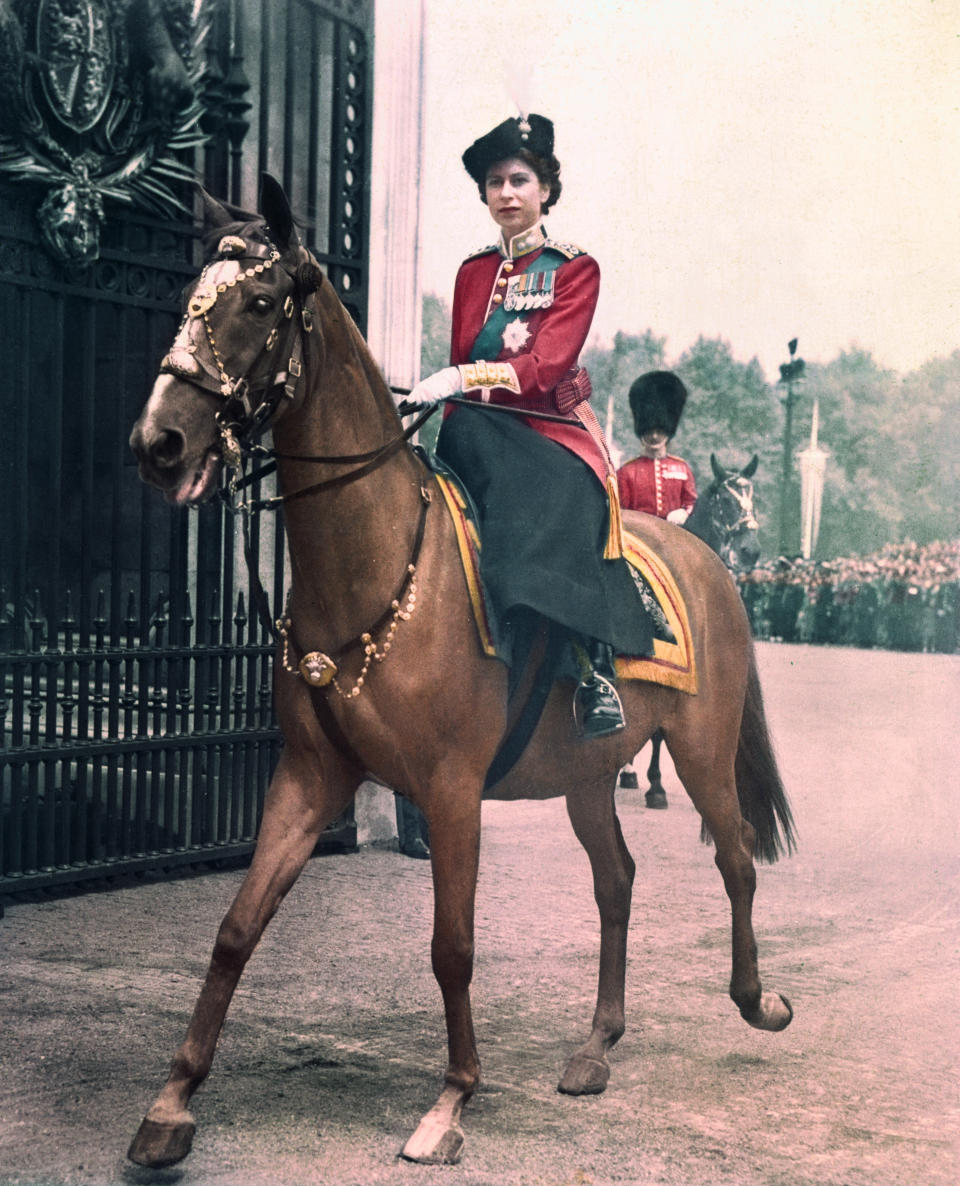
{"type": "Point", "coordinates": [906, 597]}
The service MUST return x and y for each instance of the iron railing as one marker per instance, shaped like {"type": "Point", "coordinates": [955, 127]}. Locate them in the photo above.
{"type": "Point", "coordinates": [136, 728]}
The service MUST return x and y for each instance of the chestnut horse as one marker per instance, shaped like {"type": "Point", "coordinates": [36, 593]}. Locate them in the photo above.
{"type": "Point", "coordinates": [415, 703]}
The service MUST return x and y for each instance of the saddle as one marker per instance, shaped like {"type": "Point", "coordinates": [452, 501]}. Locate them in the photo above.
{"type": "Point", "coordinates": [672, 664]}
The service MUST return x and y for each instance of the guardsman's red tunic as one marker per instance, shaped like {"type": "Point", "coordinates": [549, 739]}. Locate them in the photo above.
{"type": "Point", "coordinates": [549, 316]}
{"type": "Point", "coordinates": [657, 485]}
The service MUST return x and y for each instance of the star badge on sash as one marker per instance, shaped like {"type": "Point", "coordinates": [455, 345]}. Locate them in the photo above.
{"type": "Point", "coordinates": [516, 335]}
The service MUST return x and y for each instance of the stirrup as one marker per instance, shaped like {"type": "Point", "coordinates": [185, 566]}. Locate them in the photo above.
{"type": "Point", "coordinates": [601, 709]}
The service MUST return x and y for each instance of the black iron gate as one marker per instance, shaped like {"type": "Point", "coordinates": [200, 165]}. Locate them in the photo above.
{"type": "Point", "coordinates": [136, 727]}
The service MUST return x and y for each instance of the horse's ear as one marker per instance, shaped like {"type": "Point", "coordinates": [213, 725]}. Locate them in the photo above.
{"type": "Point", "coordinates": [215, 214]}
{"type": "Point", "coordinates": [276, 210]}
{"type": "Point", "coordinates": [718, 471]}
{"type": "Point", "coordinates": [751, 467]}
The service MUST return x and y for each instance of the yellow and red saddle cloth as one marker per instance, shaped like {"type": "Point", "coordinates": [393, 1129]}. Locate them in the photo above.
{"type": "Point", "coordinates": [672, 664]}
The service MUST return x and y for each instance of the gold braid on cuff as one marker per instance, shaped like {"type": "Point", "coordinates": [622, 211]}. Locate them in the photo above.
{"type": "Point", "coordinates": [489, 374]}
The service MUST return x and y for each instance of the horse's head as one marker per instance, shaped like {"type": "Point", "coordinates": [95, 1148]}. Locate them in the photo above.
{"type": "Point", "coordinates": [234, 364]}
{"type": "Point", "coordinates": [729, 502]}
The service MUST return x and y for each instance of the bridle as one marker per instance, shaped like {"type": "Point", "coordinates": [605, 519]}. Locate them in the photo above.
{"type": "Point", "coordinates": [251, 401]}
{"type": "Point", "coordinates": [740, 490]}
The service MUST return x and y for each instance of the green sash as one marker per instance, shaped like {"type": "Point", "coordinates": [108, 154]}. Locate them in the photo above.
{"type": "Point", "coordinates": [489, 341]}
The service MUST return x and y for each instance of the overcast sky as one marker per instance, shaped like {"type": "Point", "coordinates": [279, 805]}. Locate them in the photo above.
{"type": "Point", "coordinates": [755, 170]}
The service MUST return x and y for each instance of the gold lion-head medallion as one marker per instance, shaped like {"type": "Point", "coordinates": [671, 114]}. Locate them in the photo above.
{"type": "Point", "coordinates": [317, 669]}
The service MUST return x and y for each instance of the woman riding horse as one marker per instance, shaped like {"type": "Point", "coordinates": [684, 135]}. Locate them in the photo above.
{"type": "Point", "coordinates": [545, 489]}
{"type": "Point", "coordinates": [382, 672]}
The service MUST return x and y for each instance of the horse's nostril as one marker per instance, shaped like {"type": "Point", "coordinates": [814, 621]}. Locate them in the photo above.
{"type": "Point", "coordinates": [166, 448]}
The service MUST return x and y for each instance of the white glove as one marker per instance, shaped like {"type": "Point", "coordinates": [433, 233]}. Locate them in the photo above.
{"type": "Point", "coordinates": [437, 386]}
{"type": "Point", "coordinates": [679, 516]}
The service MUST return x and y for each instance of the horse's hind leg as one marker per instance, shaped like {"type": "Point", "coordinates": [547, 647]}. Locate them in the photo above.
{"type": "Point", "coordinates": [710, 782]}
{"type": "Point", "coordinates": [595, 823]}
{"type": "Point", "coordinates": [655, 796]}
{"type": "Point", "coordinates": [295, 813]}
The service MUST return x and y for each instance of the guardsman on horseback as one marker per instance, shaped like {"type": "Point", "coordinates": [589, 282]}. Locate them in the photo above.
{"type": "Point", "coordinates": [545, 489]}
{"type": "Point", "coordinates": [660, 484]}
{"type": "Point", "coordinates": [657, 482]}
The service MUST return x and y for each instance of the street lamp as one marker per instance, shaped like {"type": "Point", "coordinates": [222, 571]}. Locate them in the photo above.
{"type": "Point", "coordinates": [791, 377]}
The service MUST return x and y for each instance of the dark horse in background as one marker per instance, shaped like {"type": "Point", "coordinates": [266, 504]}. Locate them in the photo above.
{"type": "Point", "coordinates": [724, 519]}
{"type": "Point", "coordinates": [382, 672]}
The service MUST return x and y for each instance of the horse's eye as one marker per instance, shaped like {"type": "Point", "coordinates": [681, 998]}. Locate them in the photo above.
{"type": "Point", "coordinates": [261, 304]}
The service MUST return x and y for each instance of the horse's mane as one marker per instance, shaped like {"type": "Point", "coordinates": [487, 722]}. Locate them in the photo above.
{"type": "Point", "coordinates": [254, 227]}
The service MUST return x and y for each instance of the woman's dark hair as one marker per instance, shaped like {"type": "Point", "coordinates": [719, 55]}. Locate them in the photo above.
{"type": "Point", "coordinates": [547, 170]}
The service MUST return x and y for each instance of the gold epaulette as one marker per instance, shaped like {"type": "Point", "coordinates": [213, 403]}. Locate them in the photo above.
{"type": "Point", "coordinates": [483, 251]}
{"type": "Point", "coordinates": [570, 250]}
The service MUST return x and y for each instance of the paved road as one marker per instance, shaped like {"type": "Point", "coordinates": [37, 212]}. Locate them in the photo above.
{"type": "Point", "coordinates": [334, 1043]}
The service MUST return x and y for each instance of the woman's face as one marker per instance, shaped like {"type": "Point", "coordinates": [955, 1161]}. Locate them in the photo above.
{"type": "Point", "coordinates": [515, 195]}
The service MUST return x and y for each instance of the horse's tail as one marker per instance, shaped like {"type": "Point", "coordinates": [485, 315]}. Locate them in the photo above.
{"type": "Point", "coordinates": [763, 800]}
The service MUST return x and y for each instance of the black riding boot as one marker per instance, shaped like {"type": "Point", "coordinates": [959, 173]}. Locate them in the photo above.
{"type": "Point", "coordinates": [596, 704]}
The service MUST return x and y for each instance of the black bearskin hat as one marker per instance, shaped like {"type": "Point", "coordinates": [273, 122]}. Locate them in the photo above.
{"type": "Point", "coordinates": [534, 133]}
{"type": "Point", "coordinates": [656, 400]}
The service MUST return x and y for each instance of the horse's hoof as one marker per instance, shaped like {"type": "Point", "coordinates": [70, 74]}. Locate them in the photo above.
{"type": "Point", "coordinates": [160, 1143]}
{"type": "Point", "coordinates": [585, 1076]}
{"type": "Point", "coordinates": [427, 1148]}
{"type": "Point", "coordinates": [628, 780]}
{"type": "Point", "coordinates": [656, 798]}
{"type": "Point", "coordinates": [774, 1013]}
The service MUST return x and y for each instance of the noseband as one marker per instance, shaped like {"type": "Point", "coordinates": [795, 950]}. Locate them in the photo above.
{"type": "Point", "coordinates": [252, 399]}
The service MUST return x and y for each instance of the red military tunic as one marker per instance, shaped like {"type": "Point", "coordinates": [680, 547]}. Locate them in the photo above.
{"type": "Point", "coordinates": [657, 485]}
{"type": "Point", "coordinates": [540, 345]}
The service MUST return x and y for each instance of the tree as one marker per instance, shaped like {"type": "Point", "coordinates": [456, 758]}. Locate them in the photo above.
{"type": "Point", "coordinates": [613, 370]}
{"type": "Point", "coordinates": [435, 343]}
{"type": "Point", "coordinates": [434, 354]}
{"type": "Point", "coordinates": [731, 411]}
{"type": "Point", "coordinates": [860, 508]}
{"type": "Point", "coordinates": [924, 422]}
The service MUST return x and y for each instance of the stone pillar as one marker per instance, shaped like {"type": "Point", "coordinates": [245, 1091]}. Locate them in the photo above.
{"type": "Point", "coordinates": [394, 307]}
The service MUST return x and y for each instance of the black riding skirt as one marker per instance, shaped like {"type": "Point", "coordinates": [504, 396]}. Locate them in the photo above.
{"type": "Point", "coordinates": [543, 518]}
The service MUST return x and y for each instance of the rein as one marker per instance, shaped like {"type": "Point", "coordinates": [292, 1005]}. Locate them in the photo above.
{"type": "Point", "coordinates": [366, 463]}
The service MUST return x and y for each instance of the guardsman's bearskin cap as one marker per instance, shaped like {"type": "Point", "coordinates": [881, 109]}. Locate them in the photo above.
{"type": "Point", "coordinates": [533, 132]}
{"type": "Point", "coordinates": [656, 400]}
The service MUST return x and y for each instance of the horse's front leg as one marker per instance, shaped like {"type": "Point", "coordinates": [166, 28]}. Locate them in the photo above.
{"type": "Point", "coordinates": [593, 815]}
{"type": "Point", "coordinates": [454, 852]}
{"type": "Point", "coordinates": [303, 798]}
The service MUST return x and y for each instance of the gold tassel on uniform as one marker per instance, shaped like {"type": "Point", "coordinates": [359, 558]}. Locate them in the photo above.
{"type": "Point", "coordinates": [614, 548]}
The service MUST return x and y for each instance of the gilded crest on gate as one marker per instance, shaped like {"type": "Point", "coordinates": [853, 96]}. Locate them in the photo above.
{"type": "Point", "coordinates": [76, 54]}
{"type": "Point", "coordinates": [97, 97]}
